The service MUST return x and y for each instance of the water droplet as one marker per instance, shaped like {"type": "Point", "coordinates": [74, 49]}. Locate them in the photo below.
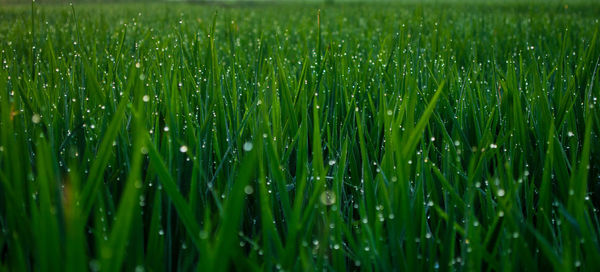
{"type": "Point", "coordinates": [501, 192]}
{"type": "Point", "coordinates": [183, 149]}
{"type": "Point", "coordinates": [248, 190]}
{"type": "Point", "coordinates": [248, 146]}
{"type": "Point", "coordinates": [328, 198]}
{"type": "Point", "coordinates": [94, 264]}
{"type": "Point", "coordinates": [36, 118]}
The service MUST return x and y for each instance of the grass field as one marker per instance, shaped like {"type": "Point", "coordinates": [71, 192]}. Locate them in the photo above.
{"type": "Point", "coordinates": [406, 137]}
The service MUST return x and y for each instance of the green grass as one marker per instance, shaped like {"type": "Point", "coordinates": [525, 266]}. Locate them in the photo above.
{"type": "Point", "coordinates": [300, 137]}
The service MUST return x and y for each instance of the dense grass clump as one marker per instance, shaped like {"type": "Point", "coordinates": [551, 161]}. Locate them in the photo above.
{"type": "Point", "coordinates": [387, 137]}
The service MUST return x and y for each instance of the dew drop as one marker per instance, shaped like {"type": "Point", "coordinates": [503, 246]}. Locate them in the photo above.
{"type": "Point", "coordinates": [36, 118]}
{"type": "Point", "coordinates": [328, 198]}
{"type": "Point", "coordinates": [501, 192]}
{"type": "Point", "coordinates": [248, 146]}
{"type": "Point", "coordinates": [183, 149]}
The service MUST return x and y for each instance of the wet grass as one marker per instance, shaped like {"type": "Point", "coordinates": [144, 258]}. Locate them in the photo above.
{"type": "Point", "coordinates": [388, 137]}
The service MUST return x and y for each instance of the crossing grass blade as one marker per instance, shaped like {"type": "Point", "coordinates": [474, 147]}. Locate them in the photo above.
{"type": "Point", "coordinates": [113, 251]}
{"type": "Point", "coordinates": [94, 179]}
